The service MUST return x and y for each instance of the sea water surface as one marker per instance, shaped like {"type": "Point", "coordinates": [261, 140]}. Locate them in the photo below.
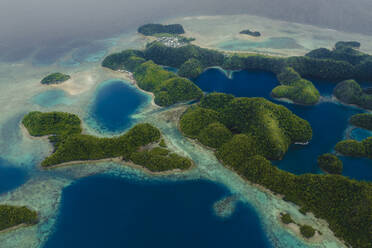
{"type": "Point", "coordinates": [107, 211]}
{"type": "Point", "coordinates": [329, 119]}
{"type": "Point", "coordinates": [10, 176]}
{"type": "Point", "coordinates": [113, 105]}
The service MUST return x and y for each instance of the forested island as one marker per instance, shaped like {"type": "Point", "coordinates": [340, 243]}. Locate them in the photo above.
{"type": "Point", "coordinates": [337, 65]}
{"type": "Point", "coordinates": [246, 133]}
{"type": "Point", "coordinates": [55, 78]}
{"type": "Point", "coordinates": [330, 163]}
{"type": "Point", "coordinates": [251, 33]}
{"type": "Point", "coordinates": [350, 92]}
{"type": "Point", "coordinates": [152, 29]}
{"type": "Point", "coordinates": [168, 87]}
{"type": "Point", "coordinates": [354, 148]}
{"type": "Point", "coordinates": [13, 216]}
{"type": "Point", "coordinates": [362, 120]}
{"type": "Point", "coordinates": [139, 145]}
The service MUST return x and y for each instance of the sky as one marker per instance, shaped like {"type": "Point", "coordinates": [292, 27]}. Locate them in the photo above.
{"type": "Point", "coordinates": [26, 24]}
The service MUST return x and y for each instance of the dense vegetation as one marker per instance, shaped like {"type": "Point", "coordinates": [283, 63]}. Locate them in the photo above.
{"type": "Point", "coordinates": [160, 159]}
{"type": "Point", "coordinates": [362, 121]}
{"type": "Point", "coordinates": [151, 29]}
{"type": "Point", "coordinates": [330, 163]}
{"type": "Point", "coordinates": [57, 125]}
{"type": "Point", "coordinates": [353, 44]}
{"type": "Point", "coordinates": [125, 60]}
{"type": "Point", "coordinates": [307, 231]}
{"type": "Point", "coordinates": [74, 146]}
{"type": "Point", "coordinates": [251, 33]}
{"type": "Point", "coordinates": [345, 204]}
{"type": "Point", "coordinates": [11, 216]}
{"type": "Point", "coordinates": [355, 148]}
{"type": "Point", "coordinates": [167, 87]}
{"type": "Point", "coordinates": [295, 88]}
{"type": "Point", "coordinates": [311, 66]}
{"type": "Point", "coordinates": [55, 78]}
{"type": "Point", "coordinates": [350, 92]}
{"type": "Point", "coordinates": [260, 127]}
{"type": "Point", "coordinates": [286, 218]}
{"type": "Point", "coordinates": [192, 68]}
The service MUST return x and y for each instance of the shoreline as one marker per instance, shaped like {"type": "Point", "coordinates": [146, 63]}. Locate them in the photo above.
{"type": "Point", "coordinates": [12, 228]}
{"type": "Point", "coordinates": [315, 239]}
{"type": "Point", "coordinates": [118, 160]}
{"type": "Point", "coordinates": [128, 76]}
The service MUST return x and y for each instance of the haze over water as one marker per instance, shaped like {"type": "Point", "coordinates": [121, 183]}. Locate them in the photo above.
{"type": "Point", "coordinates": [44, 28]}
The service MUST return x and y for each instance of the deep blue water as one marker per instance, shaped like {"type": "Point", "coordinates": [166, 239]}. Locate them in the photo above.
{"type": "Point", "coordinates": [328, 120]}
{"type": "Point", "coordinates": [104, 211]}
{"type": "Point", "coordinates": [10, 177]}
{"type": "Point", "coordinates": [243, 83]}
{"type": "Point", "coordinates": [114, 104]}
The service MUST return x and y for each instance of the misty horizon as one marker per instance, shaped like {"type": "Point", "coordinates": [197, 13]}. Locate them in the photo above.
{"type": "Point", "coordinates": [25, 25]}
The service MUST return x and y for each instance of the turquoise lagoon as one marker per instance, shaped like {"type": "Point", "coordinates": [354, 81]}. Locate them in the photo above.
{"type": "Point", "coordinates": [51, 98]}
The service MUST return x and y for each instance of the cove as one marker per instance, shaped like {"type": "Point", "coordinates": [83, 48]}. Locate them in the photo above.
{"type": "Point", "coordinates": [109, 211]}
{"type": "Point", "coordinates": [329, 120]}
{"type": "Point", "coordinates": [114, 103]}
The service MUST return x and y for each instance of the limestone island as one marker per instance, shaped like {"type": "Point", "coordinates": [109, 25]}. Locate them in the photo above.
{"type": "Point", "coordinates": [330, 163]}
{"type": "Point", "coordinates": [362, 121]}
{"type": "Point", "coordinates": [350, 92]}
{"type": "Point", "coordinates": [140, 145]}
{"type": "Point", "coordinates": [152, 29]}
{"type": "Point", "coordinates": [251, 33]}
{"type": "Point", "coordinates": [14, 216]}
{"type": "Point", "coordinates": [354, 148]}
{"type": "Point", "coordinates": [247, 133]}
{"type": "Point", "coordinates": [55, 78]}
